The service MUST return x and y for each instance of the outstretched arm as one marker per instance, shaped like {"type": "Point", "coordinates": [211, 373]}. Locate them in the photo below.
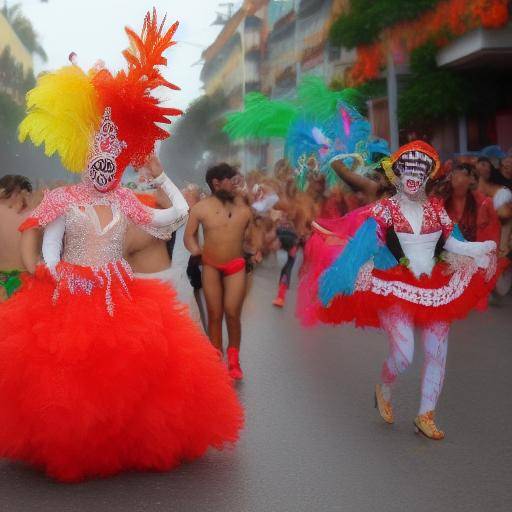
{"type": "Point", "coordinates": [353, 179]}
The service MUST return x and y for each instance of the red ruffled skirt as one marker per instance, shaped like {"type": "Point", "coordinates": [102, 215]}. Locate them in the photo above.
{"type": "Point", "coordinates": [85, 393]}
{"type": "Point", "coordinates": [452, 290]}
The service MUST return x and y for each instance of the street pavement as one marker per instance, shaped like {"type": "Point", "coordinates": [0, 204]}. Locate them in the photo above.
{"type": "Point", "coordinates": [313, 441]}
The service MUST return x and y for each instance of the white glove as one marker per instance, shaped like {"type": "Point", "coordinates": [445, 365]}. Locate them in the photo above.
{"type": "Point", "coordinates": [177, 213]}
{"type": "Point", "coordinates": [471, 249]}
{"type": "Point", "coordinates": [52, 244]}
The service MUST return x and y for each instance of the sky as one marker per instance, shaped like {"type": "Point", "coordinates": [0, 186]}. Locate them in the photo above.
{"type": "Point", "coordinates": [94, 29]}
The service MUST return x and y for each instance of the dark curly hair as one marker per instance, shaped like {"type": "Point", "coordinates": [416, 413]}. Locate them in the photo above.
{"type": "Point", "coordinates": [12, 183]}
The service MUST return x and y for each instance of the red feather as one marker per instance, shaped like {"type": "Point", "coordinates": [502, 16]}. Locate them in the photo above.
{"type": "Point", "coordinates": [128, 93]}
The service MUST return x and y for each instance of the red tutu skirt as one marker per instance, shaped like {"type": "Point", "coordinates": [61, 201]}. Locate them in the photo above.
{"type": "Point", "coordinates": [85, 393]}
{"type": "Point", "coordinates": [454, 288]}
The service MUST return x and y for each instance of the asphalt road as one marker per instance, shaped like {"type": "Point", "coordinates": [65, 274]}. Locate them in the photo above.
{"type": "Point", "coordinates": [313, 441]}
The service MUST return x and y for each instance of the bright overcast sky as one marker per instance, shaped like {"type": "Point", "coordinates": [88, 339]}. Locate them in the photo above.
{"type": "Point", "coordinates": [94, 29]}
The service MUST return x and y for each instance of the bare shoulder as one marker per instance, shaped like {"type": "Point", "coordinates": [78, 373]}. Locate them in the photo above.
{"type": "Point", "coordinates": [243, 207]}
{"type": "Point", "coordinates": [200, 208]}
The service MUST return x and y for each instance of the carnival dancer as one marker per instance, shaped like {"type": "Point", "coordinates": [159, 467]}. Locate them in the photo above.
{"type": "Point", "coordinates": [101, 372]}
{"type": "Point", "coordinates": [352, 274]}
{"type": "Point", "coordinates": [225, 218]}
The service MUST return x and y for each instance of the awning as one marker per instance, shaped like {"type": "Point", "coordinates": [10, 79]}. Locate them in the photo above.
{"type": "Point", "coordinates": [479, 48]}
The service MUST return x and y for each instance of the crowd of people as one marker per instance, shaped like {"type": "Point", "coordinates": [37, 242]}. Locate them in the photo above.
{"type": "Point", "coordinates": [275, 215]}
{"type": "Point", "coordinates": [476, 193]}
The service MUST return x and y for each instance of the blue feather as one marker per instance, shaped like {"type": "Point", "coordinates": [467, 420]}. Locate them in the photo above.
{"type": "Point", "coordinates": [384, 259]}
{"type": "Point", "coordinates": [341, 276]}
{"type": "Point", "coordinates": [457, 234]}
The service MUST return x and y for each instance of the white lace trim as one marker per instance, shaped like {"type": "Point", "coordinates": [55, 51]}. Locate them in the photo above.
{"type": "Point", "coordinates": [463, 268]}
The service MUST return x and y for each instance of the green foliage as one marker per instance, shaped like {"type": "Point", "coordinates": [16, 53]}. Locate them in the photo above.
{"type": "Point", "coordinates": [11, 115]}
{"type": "Point", "coordinates": [24, 29]}
{"type": "Point", "coordinates": [367, 18]}
{"type": "Point", "coordinates": [431, 93]}
{"type": "Point", "coordinates": [12, 76]}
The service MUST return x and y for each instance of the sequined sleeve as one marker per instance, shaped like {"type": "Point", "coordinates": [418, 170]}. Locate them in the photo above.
{"type": "Point", "coordinates": [158, 223]}
{"type": "Point", "coordinates": [446, 222]}
{"type": "Point", "coordinates": [381, 212]}
{"type": "Point", "coordinates": [54, 205]}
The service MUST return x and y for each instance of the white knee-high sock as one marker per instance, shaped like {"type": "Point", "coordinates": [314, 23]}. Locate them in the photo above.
{"type": "Point", "coordinates": [435, 346]}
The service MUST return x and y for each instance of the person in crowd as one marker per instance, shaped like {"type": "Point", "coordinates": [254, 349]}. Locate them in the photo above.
{"type": "Point", "coordinates": [18, 253]}
{"type": "Point", "coordinates": [491, 183]}
{"type": "Point", "coordinates": [193, 194]}
{"type": "Point", "coordinates": [225, 219]}
{"type": "Point", "coordinates": [505, 172]}
{"type": "Point", "coordinates": [471, 210]}
{"type": "Point", "coordinates": [298, 210]}
{"type": "Point", "coordinates": [152, 258]}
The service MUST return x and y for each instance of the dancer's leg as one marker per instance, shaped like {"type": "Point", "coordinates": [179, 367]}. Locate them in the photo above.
{"type": "Point", "coordinates": [435, 346]}
{"type": "Point", "coordinates": [213, 291]}
{"type": "Point", "coordinates": [400, 330]}
{"type": "Point", "coordinates": [234, 295]}
{"type": "Point", "coordinates": [286, 276]}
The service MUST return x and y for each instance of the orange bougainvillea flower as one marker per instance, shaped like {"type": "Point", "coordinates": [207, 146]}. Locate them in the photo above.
{"type": "Point", "coordinates": [449, 19]}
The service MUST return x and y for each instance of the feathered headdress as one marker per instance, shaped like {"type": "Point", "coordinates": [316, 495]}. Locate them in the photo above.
{"type": "Point", "coordinates": [317, 125]}
{"type": "Point", "coordinates": [391, 164]}
{"type": "Point", "coordinates": [67, 107]}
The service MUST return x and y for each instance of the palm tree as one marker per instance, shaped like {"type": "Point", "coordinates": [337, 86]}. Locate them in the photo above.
{"type": "Point", "coordinates": [24, 29]}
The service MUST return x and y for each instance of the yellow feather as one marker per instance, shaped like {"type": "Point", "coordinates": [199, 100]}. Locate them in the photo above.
{"type": "Point", "coordinates": [62, 114]}
{"type": "Point", "coordinates": [387, 165]}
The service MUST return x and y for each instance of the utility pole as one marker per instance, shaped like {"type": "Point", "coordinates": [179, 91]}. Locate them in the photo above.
{"type": "Point", "coordinates": [392, 102]}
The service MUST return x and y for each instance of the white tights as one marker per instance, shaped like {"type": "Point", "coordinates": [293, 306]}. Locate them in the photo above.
{"type": "Point", "coordinates": [400, 330]}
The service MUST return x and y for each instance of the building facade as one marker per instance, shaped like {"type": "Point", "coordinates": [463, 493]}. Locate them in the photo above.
{"type": "Point", "coordinates": [268, 46]}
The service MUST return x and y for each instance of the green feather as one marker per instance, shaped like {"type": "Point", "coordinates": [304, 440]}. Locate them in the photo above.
{"type": "Point", "coordinates": [262, 118]}
{"type": "Point", "coordinates": [319, 101]}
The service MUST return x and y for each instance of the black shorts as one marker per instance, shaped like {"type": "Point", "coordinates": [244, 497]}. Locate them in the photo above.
{"type": "Point", "coordinates": [288, 238]}
{"type": "Point", "coordinates": [194, 272]}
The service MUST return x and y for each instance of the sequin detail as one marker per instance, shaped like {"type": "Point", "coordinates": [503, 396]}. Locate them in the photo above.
{"type": "Point", "coordinates": [93, 255]}
{"type": "Point", "coordinates": [82, 280]}
{"type": "Point", "coordinates": [389, 214]}
{"type": "Point", "coordinates": [56, 203]}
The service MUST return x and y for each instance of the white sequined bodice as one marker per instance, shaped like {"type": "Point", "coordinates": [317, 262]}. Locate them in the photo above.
{"type": "Point", "coordinates": [86, 243]}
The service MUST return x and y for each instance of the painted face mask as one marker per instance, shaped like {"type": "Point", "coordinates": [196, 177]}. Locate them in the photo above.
{"type": "Point", "coordinates": [413, 169]}
{"type": "Point", "coordinates": [102, 169]}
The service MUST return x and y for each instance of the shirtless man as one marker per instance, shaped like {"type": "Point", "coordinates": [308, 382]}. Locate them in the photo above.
{"type": "Point", "coordinates": [18, 253]}
{"type": "Point", "coordinates": [151, 257]}
{"type": "Point", "coordinates": [225, 219]}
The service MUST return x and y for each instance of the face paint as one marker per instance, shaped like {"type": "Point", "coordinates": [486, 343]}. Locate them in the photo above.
{"type": "Point", "coordinates": [413, 168]}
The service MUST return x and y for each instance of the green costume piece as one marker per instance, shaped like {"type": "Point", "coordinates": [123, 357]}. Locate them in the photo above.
{"type": "Point", "coordinates": [10, 280]}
